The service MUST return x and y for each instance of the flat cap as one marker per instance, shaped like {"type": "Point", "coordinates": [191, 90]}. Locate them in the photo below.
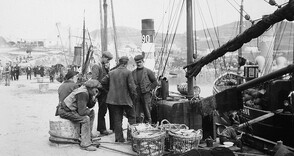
{"type": "Point", "coordinates": [92, 83]}
{"type": "Point", "coordinates": [123, 59]}
{"type": "Point", "coordinates": [107, 54]}
{"type": "Point", "coordinates": [138, 57]}
{"type": "Point", "coordinates": [70, 74]}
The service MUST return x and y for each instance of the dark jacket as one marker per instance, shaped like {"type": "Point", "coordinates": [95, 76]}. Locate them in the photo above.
{"type": "Point", "coordinates": [122, 88]}
{"type": "Point", "coordinates": [99, 71]}
{"type": "Point", "coordinates": [148, 81]}
{"type": "Point", "coordinates": [28, 70]}
{"type": "Point", "coordinates": [64, 90]}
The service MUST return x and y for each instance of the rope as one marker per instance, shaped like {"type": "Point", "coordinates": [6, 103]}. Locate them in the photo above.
{"type": "Point", "coordinates": [119, 151]}
{"type": "Point", "coordinates": [174, 35]}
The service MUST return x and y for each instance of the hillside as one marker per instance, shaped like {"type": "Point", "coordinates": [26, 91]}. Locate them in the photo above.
{"type": "Point", "coordinates": [2, 42]}
{"type": "Point", "coordinates": [226, 32]}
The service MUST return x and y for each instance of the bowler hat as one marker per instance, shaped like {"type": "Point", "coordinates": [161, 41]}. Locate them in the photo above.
{"type": "Point", "coordinates": [70, 74]}
{"type": "Point", "coordinates": [138, 57]}
{"type": "Point", "coordinates": [107, 54]}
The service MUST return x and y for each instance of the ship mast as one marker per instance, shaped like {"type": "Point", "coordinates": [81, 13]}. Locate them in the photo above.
{"type": "Point", "coordinates": [104, 46]}
{"type": "Point", "coordinates": [83, 44]}
{"type": "Point", "coordinates": [240, 31]}
{"type": "Point", "coordinates": [189, 46]}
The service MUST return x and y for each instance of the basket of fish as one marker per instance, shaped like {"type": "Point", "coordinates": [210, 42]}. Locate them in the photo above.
{"type": "Point", "coordinates": [167, 126]}
{"type": "Point", "coordinates": [147, 140]}
{"type": "Point", "coordinates": [183, 140]}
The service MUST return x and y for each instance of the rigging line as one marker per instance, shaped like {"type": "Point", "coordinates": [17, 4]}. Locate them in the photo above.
{"type": "Point", "coordinates": [204, 30]}
{"type": "Point", "coordinates": [61, 44]}
{"type": "Point", "coordinates": [206, 27]}
{"type": "Point", "coordinates": [165, 39]}
{"type": "Point", "coordinates": [273, 43]}
{"type": "Point", "coordinates": [167, 50]}
{"type": "Point", "coordinates": [174, 35]}
{"type": "Point", "coordinates": [239, 5]}
{"type": "Point", "coordinates": [237, 9]}
{"type": "Point", "coordinates": [167, 36]}
{"type": "Point", "coordinates": [290, 39]}
{"type": "Point", "coordinates": [101, 26]}
{"type": "Point", "coordinates": [216, 34]}
{"type": "Point", "coordinates": [114, 31]}
{"type": "Point", "coordinates": [267, 63]}
{"type": "Point", "coordinates": [281, 35]}
{"type": "Point", "coordinates": [195, 32]}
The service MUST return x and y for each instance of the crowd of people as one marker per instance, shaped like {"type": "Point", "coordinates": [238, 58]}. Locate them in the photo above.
{"type": "Point", "coordinates": [118, 90]}
{"type": "Point", "coordinates": [11, 72]}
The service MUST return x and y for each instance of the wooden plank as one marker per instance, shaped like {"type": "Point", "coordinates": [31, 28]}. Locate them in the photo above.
{"type": "Point", "coordinates": [255, 120]}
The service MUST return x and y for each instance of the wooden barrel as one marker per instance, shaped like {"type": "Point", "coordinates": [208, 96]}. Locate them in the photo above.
{"type": "Point", "coordinates": [64, 128]}
{"type": "Point", "coordinates": [43, 87]}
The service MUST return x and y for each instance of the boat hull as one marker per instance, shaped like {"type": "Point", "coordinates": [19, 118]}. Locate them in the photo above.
{"type": "Point", "coordinates": [225, 81]}
{"type": "Point", "coordinates": [278, 127]}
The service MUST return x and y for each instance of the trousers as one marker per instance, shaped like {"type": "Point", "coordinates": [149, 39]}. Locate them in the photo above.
{"type": "Point", "coordinates": [118, 111]}
{"type": "Point", "coordinates": [85, 121]}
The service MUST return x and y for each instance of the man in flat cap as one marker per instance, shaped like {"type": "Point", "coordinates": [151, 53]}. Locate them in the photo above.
{"type": "Point", "coordinates": [145, 81]}
{"type": "Point", "coordinates": [76, 107]}
{"type": "Point", "coordinates": [68, 85]}
{"type": "Point", "coordinates": [99, 70]}
{"type": "Point", "coordinates": [122, 93]}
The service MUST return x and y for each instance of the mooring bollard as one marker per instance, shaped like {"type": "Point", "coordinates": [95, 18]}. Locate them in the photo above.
{"type": "Point", "coordinates": [63, 130]}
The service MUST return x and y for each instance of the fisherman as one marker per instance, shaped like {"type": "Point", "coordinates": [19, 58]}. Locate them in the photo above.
{"type": "Point", "coordinates": [99, 70]}
{"type": "Point", "coordinates": [76, 107]}
{"type": "Point", "coordinates": [68, 85]}
{"type": "Point", "coordinates": [230, 133]}
{"type": "Point", "coordinates": [122, 93]}
{"type": "Point", "coordinates": [29, 72]}
{"type": "Point", "coordinates": [145, 81]}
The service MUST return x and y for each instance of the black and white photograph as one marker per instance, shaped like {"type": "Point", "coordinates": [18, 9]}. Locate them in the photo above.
{"type": "Point", "coordinates": [147, 77]}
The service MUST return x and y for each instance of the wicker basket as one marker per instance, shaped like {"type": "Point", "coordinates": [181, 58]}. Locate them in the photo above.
{"type": "Point", "coordinates": [167, 126]}
{"type": "Point", "coordinates": [184, 140]}
{"type": "Point", "coordinates": [149, 142]}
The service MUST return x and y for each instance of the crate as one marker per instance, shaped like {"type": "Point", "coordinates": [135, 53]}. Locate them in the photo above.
{"type": "Point", "coordinates": [181, 141]}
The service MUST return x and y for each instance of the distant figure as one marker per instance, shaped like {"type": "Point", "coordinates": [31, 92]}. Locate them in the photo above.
{"type": "Point", "coordinates": [42, 71]}
{"type": "Point", "coordinates": [35, 70]}
{"type": "Point", "coordinates": [52, 73]}
{"type": "Point", "coordinates": [122, 93]}
{"type": "Point", "coordinates": [12, 73]}
{"type": "Point", "coordinates": [29, 72]}
{"type": "Point", "coordinates": [16, 70]}
{"type": "Point", "coordinates": [99, 70]}
{"type": "Point", "coordinates": [6, 73]}
{"type": "Point", "coordinates": [145, 81]}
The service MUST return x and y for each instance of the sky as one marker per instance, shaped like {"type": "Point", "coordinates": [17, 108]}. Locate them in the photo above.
{"type": "Point", "coordinates": [37, 19]}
